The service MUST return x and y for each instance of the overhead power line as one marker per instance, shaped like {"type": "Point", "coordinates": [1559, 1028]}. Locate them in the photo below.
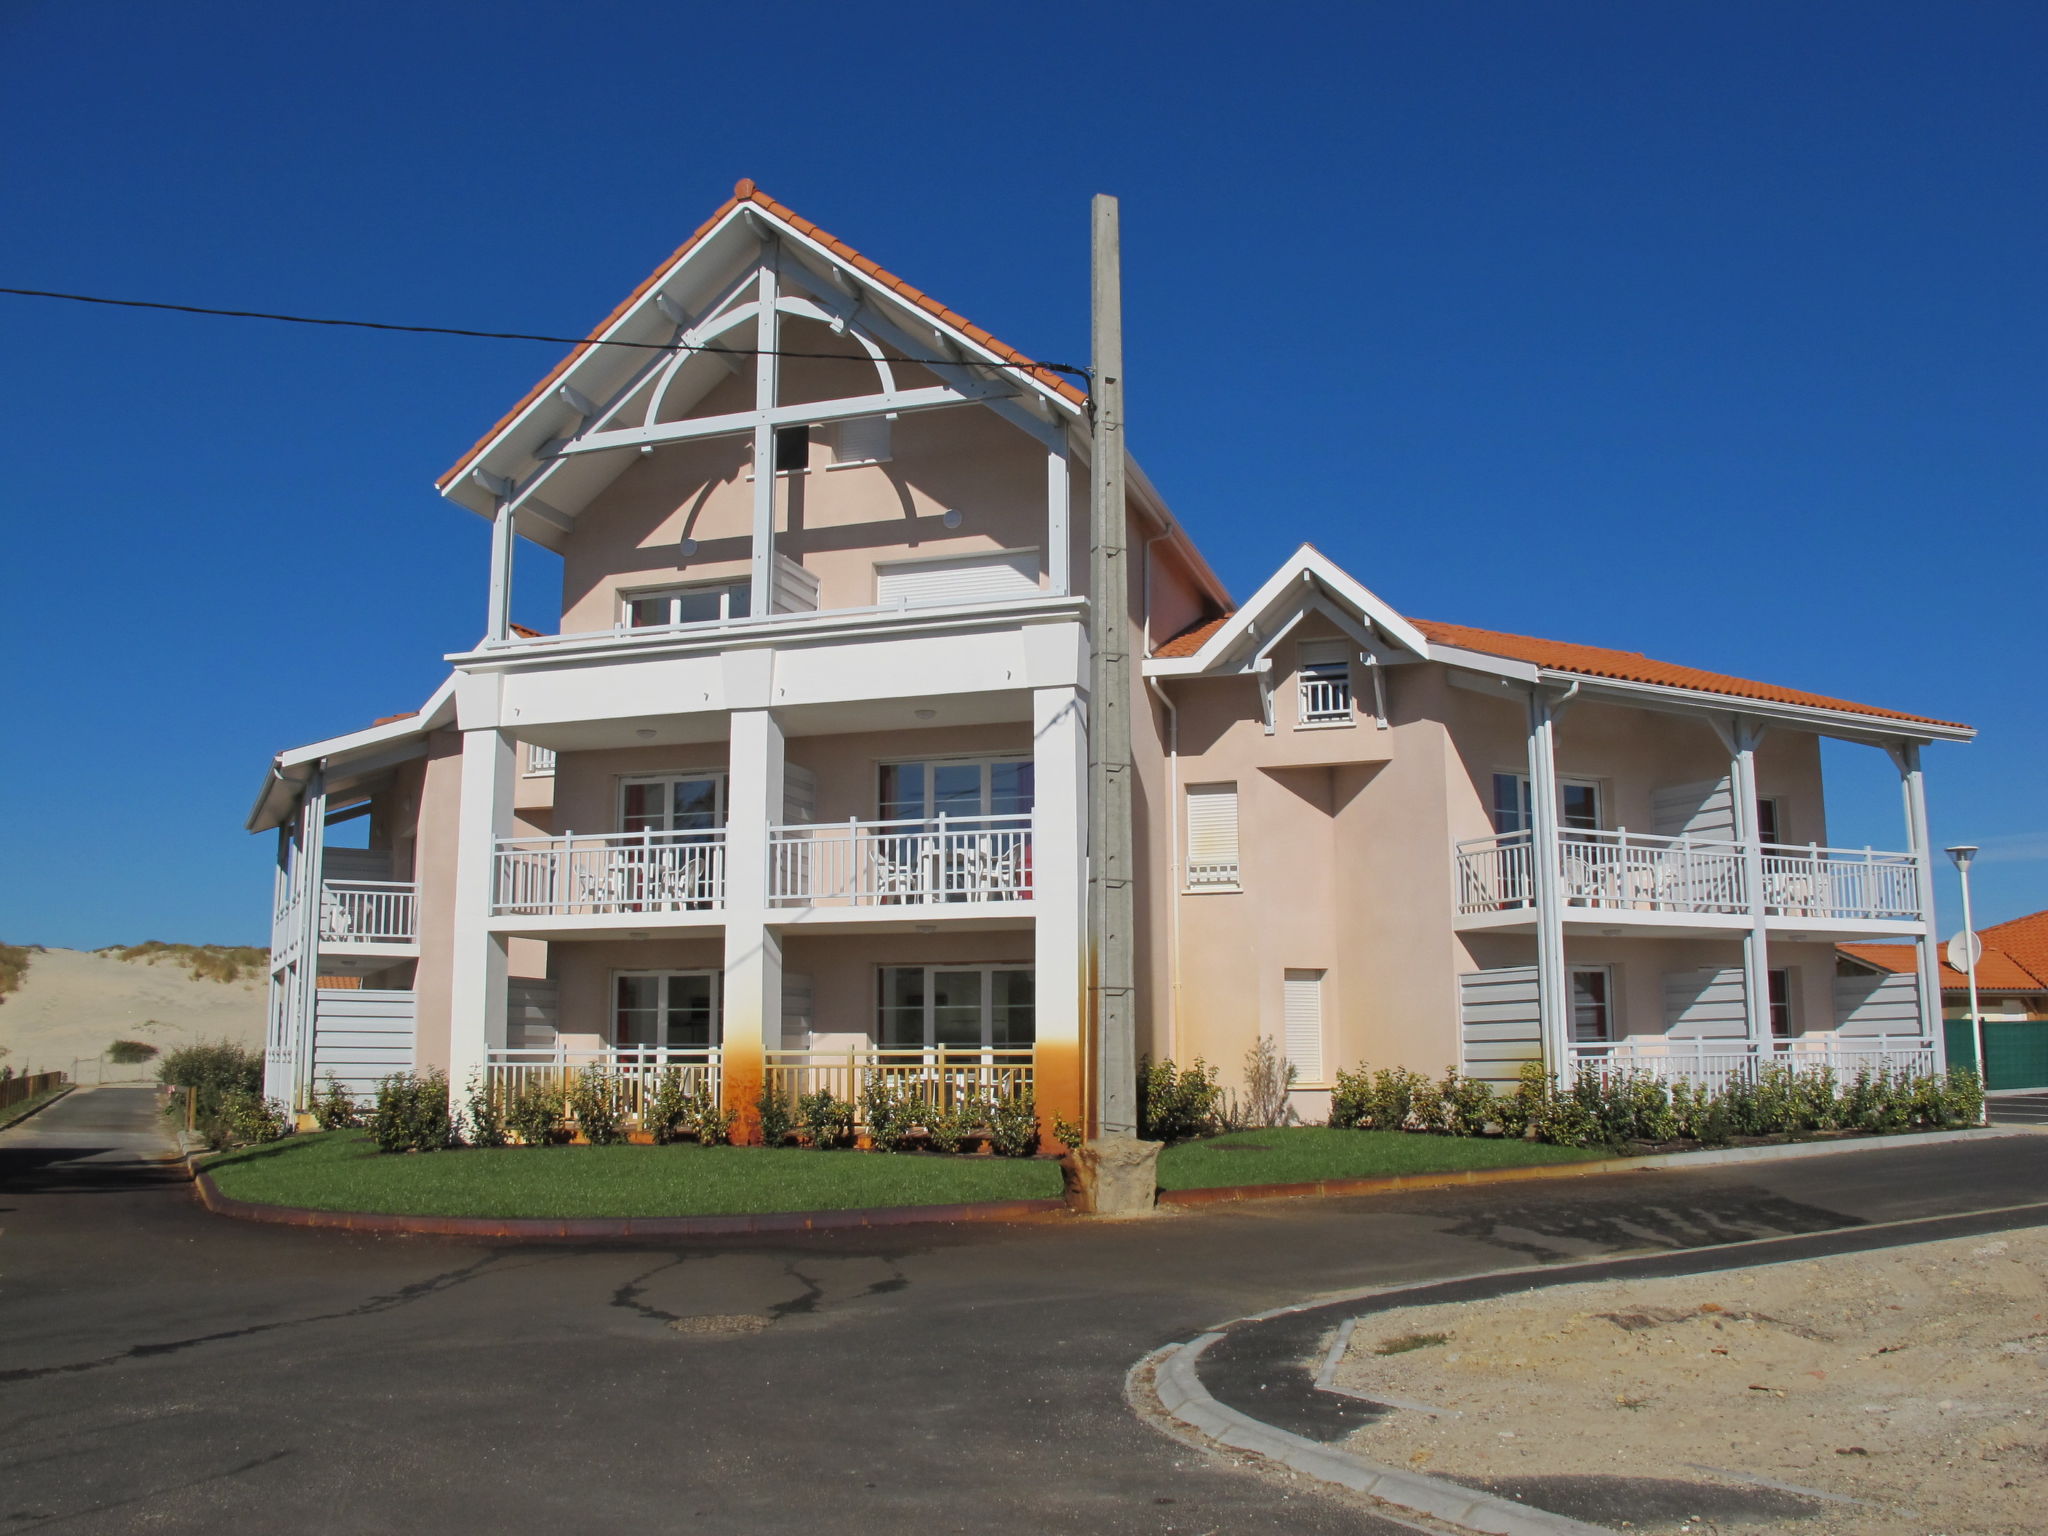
{"type": "Point", "coordinates": [452, 330]}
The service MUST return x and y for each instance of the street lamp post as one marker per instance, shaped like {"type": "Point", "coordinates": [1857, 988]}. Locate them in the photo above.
{"type": "Point", "coordinates": [1962, 854]}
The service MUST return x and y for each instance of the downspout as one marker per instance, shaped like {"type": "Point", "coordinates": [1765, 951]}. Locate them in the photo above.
{"type": "Point", "coordinates": [1173, 882]}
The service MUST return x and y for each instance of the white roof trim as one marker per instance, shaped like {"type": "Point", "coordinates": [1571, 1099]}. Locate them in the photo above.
{"type": "Point", "coordinates": [290, 769]}
{"type": "Point", "coordinates": [1278, 590]}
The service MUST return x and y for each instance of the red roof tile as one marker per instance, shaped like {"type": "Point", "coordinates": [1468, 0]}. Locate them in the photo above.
{"type": "Point", "coordinates": [1193, 638]}
{"type": "Point", "coordinates": [1634, 667]}
{"type": "Point", "coordinates": [1996, 972]}
{"type": "Point", "coordinates": [2024, 938]}
{"type": "Point", "coordinates": [408, 714]}
{"type": "Point", "coordinates": [746, 192]}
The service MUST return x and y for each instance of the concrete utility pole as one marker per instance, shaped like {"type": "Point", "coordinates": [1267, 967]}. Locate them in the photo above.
{"type": "Point", "coordinates": [1110, 905]}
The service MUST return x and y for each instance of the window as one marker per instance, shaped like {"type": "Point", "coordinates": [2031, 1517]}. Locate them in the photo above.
{"type": "Point", "coordinates": [1578, 804]}
{"type": "Point", "coordinates": [963, 1007]}
{"type": "Point", "coordinates": [682, 803]}
{"type": "Point", "coordinates": [1592, 1003]}
{"type": "Point", "coordinates": [1323, 678]}
{"type": "Point", "coordinates": [540, 761]}
{"type": "Point", "coordinates": [1212, 836]}
{"type": "Point", "coordinates": [957, 579]}
{"type": "Point", "coordinates": [1779, 984]}
{"type": "Point", "coordinates": [861, 440]}
{"type": "Point", "coordinates": [676, 1009]}
{"type": "Point", "coordinates": [792, 448]}
{"type": "Point", "coordinates": [958, 787]}
{"type": "Point", "coordinates": [709, 604]}
{"type": "Point", "coordinates": [1302, 1022]}
{"type": "Point", "coordinates": [1770, 826]}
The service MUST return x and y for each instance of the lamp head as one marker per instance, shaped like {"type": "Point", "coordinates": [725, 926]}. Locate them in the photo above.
{"type": "Point", "coordinates": [1962, 853]}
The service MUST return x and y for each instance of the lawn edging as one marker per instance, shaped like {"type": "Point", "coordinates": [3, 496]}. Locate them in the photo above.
{"type": "Point", "coordinates": [1394, 1182]}
{"type": "Point", "coordinates": [544, 1228]}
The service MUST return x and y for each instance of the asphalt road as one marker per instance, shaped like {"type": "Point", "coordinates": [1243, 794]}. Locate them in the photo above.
{"type": "Point", "coordinates": [164, 1369]}
{"type": "Point", "coordinates": [2019, 1109]}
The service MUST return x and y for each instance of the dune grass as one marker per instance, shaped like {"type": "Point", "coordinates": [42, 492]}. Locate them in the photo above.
{"type": "Point", "coordinates": [202, 962]}
{"type": "Point", "coordinates": [1303, 1154]}
{"type": "Point", "coordinates": [343, 1171]}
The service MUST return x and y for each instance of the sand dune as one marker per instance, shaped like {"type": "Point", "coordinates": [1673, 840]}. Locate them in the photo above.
{"type": "Point", "coordinates": [73, 1004]}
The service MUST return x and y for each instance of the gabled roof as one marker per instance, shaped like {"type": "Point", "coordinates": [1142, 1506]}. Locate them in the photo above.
{"type": "Point", "coordinates": [1307, 570]}
{"type": "Point", "coordinates": [745, 194]}
{"type": "Point", "coordinates": [1634, 667]}
{"type": "Point", "coordinates": [2025, 939]}
{"type": "Point", "coordinates": [1998, 971]}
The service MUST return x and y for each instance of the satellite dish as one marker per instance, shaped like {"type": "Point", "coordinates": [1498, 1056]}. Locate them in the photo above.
{"type": "Point", "coordinates": [1965, 951]}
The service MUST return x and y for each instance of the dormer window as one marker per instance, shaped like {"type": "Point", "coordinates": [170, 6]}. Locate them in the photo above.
{"type": "Point", "coordinates": [792, 448]}
{"type": "Point", "coordinates": [1323, 672]}
{"type": "Point", "coordinates": [702, 604]}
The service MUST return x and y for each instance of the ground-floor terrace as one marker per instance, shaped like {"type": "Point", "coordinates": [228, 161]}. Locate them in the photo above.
{"type": "Point", "coordinates": [1686, 1008]}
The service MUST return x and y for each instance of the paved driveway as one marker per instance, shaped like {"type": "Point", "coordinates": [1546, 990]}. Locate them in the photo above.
{"type": "Point", "coordinates": [2019, 1109]}
{"type": "Point", "coordinates": [163, 1369]}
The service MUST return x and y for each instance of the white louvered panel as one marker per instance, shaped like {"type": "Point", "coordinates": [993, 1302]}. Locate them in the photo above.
{"type": "Point", "coordinates": [1212, 834]}
{"type": "Point", "coordinates": [967, 579]}
{"type": "Point", "coordinates": [861, 440]}
{"type": "Point", "coordinates": [1705, 1003]}
{"type": "Point", "coordinates": [1322, 653]}
{"type": "Point", "coordinates": [1302, 1019]}
{"type": "Point", "coordinates": [1706, 809]}
{"type": "Point", "coordinates": [799, 795]}
{"type": "Point", "coordinates": [798, 1011]}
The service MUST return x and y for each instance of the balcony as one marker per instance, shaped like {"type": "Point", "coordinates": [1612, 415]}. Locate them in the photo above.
{"type": "Point", "coordinates": [917, 863]}
{"type": "Point", "coordinates": [614, 874]}
{"type": "Point", "coordinates": [369, 916]}
{"type": "Point", "coordinates": [1678, 884]}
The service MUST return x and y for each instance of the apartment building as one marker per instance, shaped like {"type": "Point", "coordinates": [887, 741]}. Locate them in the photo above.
{"type": "Point", "coordinates": [795, 790]}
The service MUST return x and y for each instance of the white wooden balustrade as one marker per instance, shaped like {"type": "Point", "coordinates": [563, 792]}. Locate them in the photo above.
{"type": "Point", "coordinates": [637, 1070]}
{"type": "Point", "coordinates": [880, 863]}
{"type": "Point", "coordinates": [1839, 883]}
{"type": "Point", "coordinates": [941, 1076]}
{"type": "Point", "coordinates": [1325, 699]}
{"type": "Point", "coordinates": [581, 874]}
{"type": "Point", "coordinates": [369, 912]}
{"type": "Point", "coordinates": [1714, 1063]}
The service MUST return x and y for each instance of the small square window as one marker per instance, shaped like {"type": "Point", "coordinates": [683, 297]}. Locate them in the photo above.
{"type": "Point", "coordinates": [792, 448]}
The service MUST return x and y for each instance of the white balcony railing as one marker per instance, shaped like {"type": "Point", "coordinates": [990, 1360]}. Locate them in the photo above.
{"type": "Point", "coordinates": [885, 863]}
{"type": "Point", "coordinates": [369, 912]}
{"type": "Point", "coordinates": [609, 873]}
{"type": "Point", "coordinates": [1325, 699]}
{"type": "Point", "coordinates": [1633, 871]}
{"type": "Point", "coordinates": [1212, 874]}
{"type": "Point", "coordinates": [941, 1076]}
{"type": "Point", "coordinates": [1712, 1063]}
{"type": "Point", "coordinates": [1839, 883]}
{"type": "Point", "coordinates": [637, 1070]}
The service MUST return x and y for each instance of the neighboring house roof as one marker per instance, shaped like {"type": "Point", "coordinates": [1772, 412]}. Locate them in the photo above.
{"type": "Point", "coordinates": [2024, 938]}
{"type": "Point", "coordinates": [1634, 667]}
{"type": "Point", "coordinates": [1191, 639]}
{"type": "Point", "coordinates": [1998, 971]}
{"type": "Point", "coordinates": [746, 192]}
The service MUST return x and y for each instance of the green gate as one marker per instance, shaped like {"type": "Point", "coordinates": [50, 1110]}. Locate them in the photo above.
{"type": "Point", "coordinates": [2017, 1051]}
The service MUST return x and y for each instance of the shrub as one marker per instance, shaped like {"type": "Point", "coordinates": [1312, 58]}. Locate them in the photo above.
{"type": "Point", "coordinates": [1268, 1079]}
{"type": "Point", "coordinates": [778, 1120]}
{"type": "Point", "coordinates": [597, 1104]}
{"type": "Point", "coordinates": [244, 1119]}
{"type": "Point", "coordinates": [950, 1129]}
{"type": "Point", "coordinates": [1351, 1099]}
{"type": "Point", "coordinates": [665, 1115]}
{"type": "Point", "coordinates": [1013, 1125]}
{"type": "Point", "coordinates": [412, 1113]}
{"type": "Point", "coordinates": [483, 1117]}
{"type": "Point", "coordinates": [1961, 1098]}
{"type": "Point", "coordinates": [712, 1125]}
{"type": "Point", "coordinates": [536, 1112]}
{"type": "Point", "coordinates": [128, 1053]}
{"type": "Point", "coordinates": [1176, 1103]}
{"type": "Point", "coordinates": [1468, 1106]}
{"type": "Point", "coordinates": [210, 1070]}
{"type": "Point", "coordinates": [1519, 1113]}
{"type": "Point", "coordinates": [335, 1108]}
{"type": "Point", "coordinates": [1068, 1132]}
{"type": "Point", "coordinates": [825, 1121]}
{"type": "Point", "coordinates": [891, 1112]}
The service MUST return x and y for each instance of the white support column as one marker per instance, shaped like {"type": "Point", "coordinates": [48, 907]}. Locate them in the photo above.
{"type": "Point", "coordinates": [279, 1010]}
{"type": "Point", "coordinates": [1059, 541]}
{"type": "Point", "coordinates": [1744, 738]}
{"type": "Point", "coordinates": [312, 855]}
{"type": "Point", "coordinates": [503, 538]}
{"type": "Point", "coordinates": [1920, 843]}
{"type": "Point", "coordinates": [766, 385]}
{"type": "Point", "coordinates": [1553, 981]}
{"type": "Point", "coordinates": [1059, 757]}
{"type": "Point", "coordinates": [753, 949]}
{"type": "Point", "coordinates": [477, 963]}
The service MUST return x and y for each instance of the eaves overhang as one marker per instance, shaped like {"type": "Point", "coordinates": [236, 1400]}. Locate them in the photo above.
{"type": "Point", "coordinates": [347, 760]}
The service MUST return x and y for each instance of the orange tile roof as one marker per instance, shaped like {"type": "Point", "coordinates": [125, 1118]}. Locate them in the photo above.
{"type": "Point", "coordinates": [1998, 971]}
{"type": "Point", "coordinates": [524, 633]}
{"type": "Point", "coordinates": [1634, 667]}
{"type": "Point", "coordinates": [1191, 639]}
{"type": "Point", "coordinates": [405, 714]}
{"type": "Point", "coordinates": [2024, 938]}
{"type": "Point", "coordinates": [745, 191]}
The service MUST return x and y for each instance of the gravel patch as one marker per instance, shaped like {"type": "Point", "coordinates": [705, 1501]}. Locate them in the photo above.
{"type": "Point", "coordinates": [1898, 1393]}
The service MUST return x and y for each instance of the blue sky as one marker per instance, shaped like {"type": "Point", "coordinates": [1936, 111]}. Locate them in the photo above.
{"type": "Point", "coordinates": [1710, 330]}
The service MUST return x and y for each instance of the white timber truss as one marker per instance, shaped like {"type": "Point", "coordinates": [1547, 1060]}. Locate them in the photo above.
{"type": "Point", "coordinates": [721, 308]}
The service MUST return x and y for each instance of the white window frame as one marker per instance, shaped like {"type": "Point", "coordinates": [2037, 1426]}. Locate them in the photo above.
{"type": "Point", "coordinates": [1308, 675]}
{"type": "Point", "coordinates": [666, 974]}
{"type": "Point", "coordinates": [1791, 981]}
{"type": "Point", "coordinates": [717, 775]}
{"type": "Point", "coordinates": [1777, 813]}
{"type": "Point", "coordinates": [1320, 975]}
{"type": "Point", "coordinates": [676, 589]}
{"type": "Point", "coordinates": [1229, 876]}
{"type": "Point", "coordinates": [1609, 1003]}
{"type": "Point", "coordinates": [1528, 801]}
{"type": "Point", "coordinates": [928, 761]}
{"type": "Point", "coordinates": [988, 1002]}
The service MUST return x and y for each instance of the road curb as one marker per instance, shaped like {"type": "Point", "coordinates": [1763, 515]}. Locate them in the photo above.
{"type": "Point", "coordinates": [585, 1229]}
{"type": "Point", "coordinates": [63, 1092]}
{"type": "Point", "coordinates": [1178, 1390]}
{"type": "Point", "coordinates": [1715, 1157]}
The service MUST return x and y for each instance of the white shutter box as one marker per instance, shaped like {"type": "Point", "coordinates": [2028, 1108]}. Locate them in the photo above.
{"type": "Point", "coordinates": [1302, 1022]}
{"type": "Point", "coordinates": [1212, 834]}
{"type": "Point", "coordinates": [860, 440]}
{"type": "Point", "coordinates": [959, 579]}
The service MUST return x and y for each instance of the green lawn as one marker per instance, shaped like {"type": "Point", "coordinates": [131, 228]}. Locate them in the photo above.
{"type": "Point", "coordinates": [1302, 1154]}
{"type": "Point", "coordinates": [342, 1171]}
